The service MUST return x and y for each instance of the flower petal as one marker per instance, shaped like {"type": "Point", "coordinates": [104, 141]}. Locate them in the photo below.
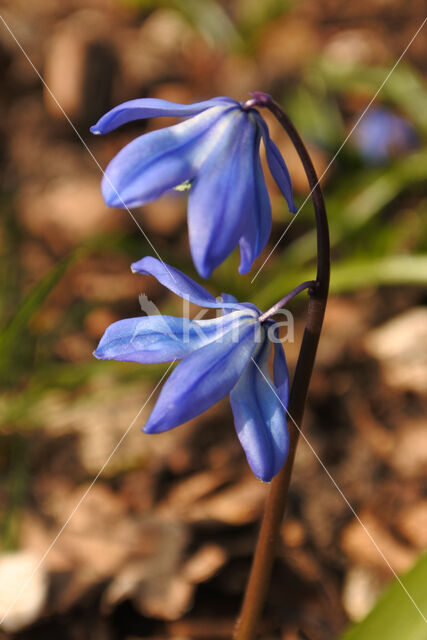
{"type": "Point", "coordinates": [158, 338]}
{"type": "Point", "coordinates": [281, 374]}
{"type": "Point", "coordinates": [221, 194]}
{"type": "Point", "coordinates": [151, 108]}
{"type": "Point", "coordinates": [227, 298]}
{"type": "Point", "coordinates": [180, 283]}
{"type": "Point", "coordinates": [280, 173]}
{"type": "Point", "coordinates": [277, 165]}
{"type": "Point", "coordinates": [258, 228]}
{"type": "Point", "coordinates": [158, 161]}
{"type": "Point", "coordinates": [260, 418]}
{"type": "Point", "coordinates": [202, 379]}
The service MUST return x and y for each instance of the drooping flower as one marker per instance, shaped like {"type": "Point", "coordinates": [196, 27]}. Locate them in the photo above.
{"type": "Point", "coordinates": [225, 355]}
{"type": "Point", "coordinates": [217, 150]}
{"type": "Point", "coordinates": [381, 134]}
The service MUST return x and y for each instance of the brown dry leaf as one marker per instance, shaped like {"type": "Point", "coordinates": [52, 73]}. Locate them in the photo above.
{"type": "Point", "coordinates": [21, 607]}
{"type": "Point", "coordinates": [71, 208]}
{"type": "Point", "coordinates": [412, 524]}
{"type": "Point", "coordinates": [101, 541]}
{"type": "Point", "coordinates": [360, 549]}
{"type": "Point", "coordinates": [149, 53]}
{"type": "Point", "coordinates": [64, 69]}
{"type": "Point", "coordinates": [375, 435]}
{"type": "Point", "coordinates": [400, 345]}
{"type": "Point", "coordinates": [35, 537]}
{"type": "Point", "coordinates": [98, 320]}
{"type": "Point", "coordinates": [167, 599]}
{"type": "Point", "coordinates": [304, 563]}
{"type": "Point", "coordinates": [138, 490]}
{"type": "Point", "coordinates": [99, 536]}
{"type": "Point", "coordinates": [101, 418]}
{"type": "Point", "coordinates": [165, 216]}
{"type": "Point", "coordinates": [239, 76]}
{"type": "Point", "coordinates": [211, 628]}
{"type": "Point", "coordinates": [285, 46]}
{"type": "Point", "coordinates": [141, 64]}
{"type": "Point", "coordinates": [154, 593]}
{"type": "Point", "coordinates": [360, 592]}
{"type": "Point", "coordinates": [36, 263]}
{"type": "Point", "coordinates": [207, 561]}
{"type": "Point", "coordinates": [167, 31]}
{"type": "Point", "coordinates": [345, 321]}
{"type": "Point", "coordinates": [293, 533]}
{"type": "Point", "coordinates": [195, 488]}
{"type": "Point", "coordinates": [357, 46]}
{"type": "Point", "coordinates": [107, 423]}
{"type": "Point", "coordinates": [154, 582]}
{"type": "Point", "coordinates": [409, 456]}
{"type": "Point", "coordinates": [74, 347]}
{"type": "Point", "coordinates": [94, 283]}
{"type": "Point", "coordinates": [239, 504]}
{"type": "Point", "coordinates": [79, 66]}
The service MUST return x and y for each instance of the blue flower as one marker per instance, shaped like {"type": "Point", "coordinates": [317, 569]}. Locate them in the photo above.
{"type": "Point", "coordinates": [382, 134]}
{"type": "Point", "coordinates": [217, 149]}
{"type": "Point", "coordinates": [225, 355]}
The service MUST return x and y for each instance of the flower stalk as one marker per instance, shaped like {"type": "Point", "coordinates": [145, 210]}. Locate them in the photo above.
{"type": "Point", "coordinates": [310, 285]}
{"type": "Point", "coordinates": [259, 578]}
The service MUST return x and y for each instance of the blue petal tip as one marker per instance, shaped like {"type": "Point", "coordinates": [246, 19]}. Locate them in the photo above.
{"type": "Point", "coordinates": [147, 428]}
{"type": "Point", "coordinates": [204, 272]}
{"type": "Point", "coordinates": [243, 269]}
{"type": "Point", "coordinates": [111, 197]}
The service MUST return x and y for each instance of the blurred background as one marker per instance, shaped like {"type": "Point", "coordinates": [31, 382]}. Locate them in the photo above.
{"type": "Point", "coordinates": [160, 547]}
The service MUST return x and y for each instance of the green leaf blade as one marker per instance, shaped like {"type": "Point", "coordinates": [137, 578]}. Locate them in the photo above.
{"type": "Point", "coordinates": [400, 613]}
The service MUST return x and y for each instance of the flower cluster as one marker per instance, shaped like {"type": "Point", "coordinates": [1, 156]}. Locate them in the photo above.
{"type": "Point", "coordinates": [225, 355]}
{"type": "Point", "coordinates": [216, 150]}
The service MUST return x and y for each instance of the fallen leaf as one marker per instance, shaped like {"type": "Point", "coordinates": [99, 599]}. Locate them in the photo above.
{"type": "Point", "coordinates": [204, 563]}
{"type": "Point", "coordinates": [360, 592]}
{"type": "Point", "coordinates": [20, 606]}
{"type": "Point", "coordinates": [239, 504]}
{"type": "Point", "coordinates": [412, 524]}
{"type": "Point", "coordinates": [361, 550]}
{"type": "Point", "coordinates": [400, 345]}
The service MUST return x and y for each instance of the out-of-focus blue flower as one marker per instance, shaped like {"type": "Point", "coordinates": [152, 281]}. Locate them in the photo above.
{"type": "Point", "coordinates": [382, 134]}
{"type": "Point", "coordinates": [218, 357]}
{"type": "Point", "coordinates": [217, 148]}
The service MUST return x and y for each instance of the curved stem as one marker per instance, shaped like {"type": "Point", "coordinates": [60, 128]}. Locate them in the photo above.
{"type": "Point", "coordinates": [259, 579]}
{"type": "Point", "coordinates": [309, 284]}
